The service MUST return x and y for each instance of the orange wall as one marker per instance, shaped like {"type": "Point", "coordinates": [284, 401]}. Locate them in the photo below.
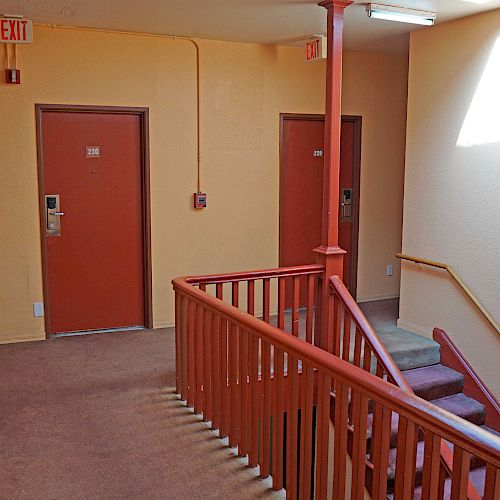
{"type": "Point", "coordinates": [244, 88]}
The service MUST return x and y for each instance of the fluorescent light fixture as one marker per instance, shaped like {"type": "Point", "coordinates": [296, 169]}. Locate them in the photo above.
{"type": "Point", "coordinates": [401, 14]}
{"type": "Point", "coordinates": [477, 1]}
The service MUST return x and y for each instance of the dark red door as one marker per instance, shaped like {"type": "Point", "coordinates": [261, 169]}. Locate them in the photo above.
{"type": "Point", "coordinates": [95, 269]}
{"type": "Point", "coordinates": [302, 186]}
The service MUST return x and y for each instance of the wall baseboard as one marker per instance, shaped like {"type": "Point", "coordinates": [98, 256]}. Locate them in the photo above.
{"type": "Point", "coordinates": [413, 328]}
{"type": "Point", "coordinates": [27, 337]}
{"type": "Point", "coordinates": [377, 297]}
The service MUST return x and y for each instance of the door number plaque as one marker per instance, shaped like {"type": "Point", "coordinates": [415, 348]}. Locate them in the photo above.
{"type": "Point", "coordinates": [92, 151]}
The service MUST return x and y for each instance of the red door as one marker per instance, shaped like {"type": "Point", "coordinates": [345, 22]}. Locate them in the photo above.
{"type": "Point", "coordinates": [94, 269]}
{"type": "Point", "coordinates": [301, 203]}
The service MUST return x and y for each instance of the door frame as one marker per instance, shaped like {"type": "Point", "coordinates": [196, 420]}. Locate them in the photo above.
{"type": "Point", "coordinates": [357, 123]}
{"type": "Point", "coordinates": [143, 114]}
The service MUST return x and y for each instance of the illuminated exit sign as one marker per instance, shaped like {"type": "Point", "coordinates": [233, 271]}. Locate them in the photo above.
{"type": "Point", "coordinates": [315, 48]}
{"type": "Point", "coordinates": [15, 30]}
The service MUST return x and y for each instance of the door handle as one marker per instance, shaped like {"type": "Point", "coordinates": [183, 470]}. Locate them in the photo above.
{"type": "Point", "coordinates": [52, 215]}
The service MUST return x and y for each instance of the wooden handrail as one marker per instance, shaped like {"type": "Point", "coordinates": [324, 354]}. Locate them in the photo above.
{"type": "Point", "coordinates": [280, 272]}
{"type": "Point", "coordinates": [460, 283]}
{"type": "Point", "coordinates": [369, 334]}
{"type": "Point", "coordinates": [466, 435]}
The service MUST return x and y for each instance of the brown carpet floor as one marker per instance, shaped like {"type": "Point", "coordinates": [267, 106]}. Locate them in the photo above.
{"type": "Point", "coordinates": [96, 417]}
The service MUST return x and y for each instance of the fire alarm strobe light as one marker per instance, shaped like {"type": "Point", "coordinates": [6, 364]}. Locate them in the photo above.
{"type": "Point", "coordinates": [200, 200]}
{"type": "Point", "coordinates": [13, 76]}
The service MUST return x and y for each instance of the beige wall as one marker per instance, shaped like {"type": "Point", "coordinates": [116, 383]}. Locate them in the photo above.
{"type": "Point", "coordinates": [375, 86]}
{"type": "Point", "coordinates": [244, 88]}
{"type": "Point", "coordinates": [452, 184]}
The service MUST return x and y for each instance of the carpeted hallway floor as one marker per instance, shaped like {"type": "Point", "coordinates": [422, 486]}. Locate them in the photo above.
{"type": "Point", "coordinates": [96, 417]}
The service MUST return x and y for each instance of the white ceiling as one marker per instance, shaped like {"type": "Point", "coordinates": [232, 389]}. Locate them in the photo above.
{"type": "Point", "coordinates": [261, 21]}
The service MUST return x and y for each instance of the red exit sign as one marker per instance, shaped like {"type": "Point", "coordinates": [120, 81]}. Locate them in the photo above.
{"type": "Point", "coordinates": [15, 30]}
{"type": "Point", "coordinates": [315, 48]}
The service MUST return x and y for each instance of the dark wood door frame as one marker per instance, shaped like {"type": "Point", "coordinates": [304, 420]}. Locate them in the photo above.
{"type": "Point", "coordinates": [143, 114]}
{"type": "Point", "coordinates": [356, 122]}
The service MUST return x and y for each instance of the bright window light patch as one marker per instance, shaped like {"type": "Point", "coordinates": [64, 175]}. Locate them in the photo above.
{"type": "Point", "coordinates": [482, 122]}
{"type": "Point", "coordinates": [477, 1]}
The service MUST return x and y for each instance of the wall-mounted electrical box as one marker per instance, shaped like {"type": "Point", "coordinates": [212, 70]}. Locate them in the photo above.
{"type": "Point", "coordinates": [200, 200]}
{"type": "Point", "coordinates": [13, 76]}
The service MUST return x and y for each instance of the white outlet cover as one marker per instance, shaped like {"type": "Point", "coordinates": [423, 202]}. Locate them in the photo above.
{"type": "Point", "coordinates": [38, 309]}
{"type": "Point", "coordinates": [389, 270]}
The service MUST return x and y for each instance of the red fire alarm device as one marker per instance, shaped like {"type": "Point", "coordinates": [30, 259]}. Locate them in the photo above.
{"type": "Point", "coordinates": [200, 200]}
{"type": "Point", "coordinates": [13, 76]}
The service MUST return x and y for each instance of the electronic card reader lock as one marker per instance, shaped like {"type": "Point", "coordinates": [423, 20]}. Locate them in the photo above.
{"type": "Point", "coordinates": [52, 215]}
{"type": "Point", "coordinates": [346, 205]}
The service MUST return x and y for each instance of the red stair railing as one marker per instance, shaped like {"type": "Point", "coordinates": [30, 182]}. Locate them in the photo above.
{"type": "Point", "coordinates": [347, 316]}
{"type": "Point", "coordinates": [269, 392]}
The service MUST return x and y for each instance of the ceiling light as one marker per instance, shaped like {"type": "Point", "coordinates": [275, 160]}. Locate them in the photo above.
{"type": "Point", "coordinates": [400, 14]}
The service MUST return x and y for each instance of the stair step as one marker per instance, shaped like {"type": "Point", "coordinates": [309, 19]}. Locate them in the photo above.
{"type": "Point", "coordinates": [435, 381]}
{"type": "Point", "coordinates": [409, 350]}
{"type": "Point", "coordinates": [478, 478]}
{"type": "Point", "coordinates": [458, 404]}
{"type": "Point", "coordinates": [419, 467]}
{"type": "Point", "coordinates": [463, 406]}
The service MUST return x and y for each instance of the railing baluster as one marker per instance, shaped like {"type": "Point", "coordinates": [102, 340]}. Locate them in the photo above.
{"type": "Point", "coordinates": [318, 320]}
{"type": "Point", "coordinates": [333, 344]}
{"type": "Point", "coordinates": [184, 347]}
{"type": "Point", "coordinates": [492, 483]}
{"type": "Point", "coordinates": [278, 397]}
{"type": "Point", "coordinates": [244, 396]}
{"type": "Point", "coordinates": [216, 371]}
{"type": "Point", "coordinates": [357, 347]}
{"type": "Point", "coordinates": [322, 435]}
{"type": "Point", "coordinates": [340, 446]}
{"type": "Point", "coordinates": [306, 434]}
{"type": "Point", "coordinates": [224, 425]}
{"type": "Point", "coordinates": [346, 341]}
{"type": "Point", "coordinates": [200, 357]}
{"type": "Point", "coordinates": [460, 476]}
{"type": "Point", "coordinates": [292, 426]}
{"type": "Point", "coordinates": [405, 459]}
{"type": "Point", "coordinates": [310, 309]}
{"type": "Point", "coordinates": [191, 344]}
{"type": "Point", "coordinates": [266, 299]}
{"type": "Point", "coordinates": [253, 457]}
{"type": "Point", "coordinates": [296, 305]}
{"type": "Point", "coordinates": [360, 424]}
{"type": "Point", "coordinates": [376, 427]}
{"type": "Point", "coordinates": [382, 431]}
{"type": "Point", "coordinates": [265, 397]}
{"type": "Point", "coordinates": [198, 367]}
{"type": "Point", "coordinates": [234, 365]}
{"type": "Point", "coordinates": [432, 463]}
{"type": "Point", "coordinates": [207, 365]}
{"type": "Point", "coordinates": [178, 336]}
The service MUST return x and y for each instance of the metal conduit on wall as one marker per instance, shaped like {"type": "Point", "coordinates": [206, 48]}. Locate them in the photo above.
{"type": "Point", "coordinates": [157, 35]}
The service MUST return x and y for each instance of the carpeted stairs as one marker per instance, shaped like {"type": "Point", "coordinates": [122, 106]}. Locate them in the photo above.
{"type": "Point", "coordinates": [419, 360]}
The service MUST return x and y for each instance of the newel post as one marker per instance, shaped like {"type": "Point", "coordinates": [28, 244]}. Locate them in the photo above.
{"type": "Point", "coordinates": [329, 253]}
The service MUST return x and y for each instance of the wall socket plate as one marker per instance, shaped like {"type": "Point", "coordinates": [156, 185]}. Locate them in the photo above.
{"type": "Point", "coordinates": [389, 270]}
{"type": "Point", "coordinates": [38, 310]}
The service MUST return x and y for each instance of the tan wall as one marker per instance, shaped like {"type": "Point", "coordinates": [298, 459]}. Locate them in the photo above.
{"type": "Point", "coordinates": [244, 88]}
{"type": "Point", "coordinates": [375, 86]}
{"type": "Point", "coordinates": [451, 208]}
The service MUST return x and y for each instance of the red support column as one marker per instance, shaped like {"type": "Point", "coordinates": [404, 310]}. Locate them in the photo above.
{"type": "Point", "coordinates": [329, 253]}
